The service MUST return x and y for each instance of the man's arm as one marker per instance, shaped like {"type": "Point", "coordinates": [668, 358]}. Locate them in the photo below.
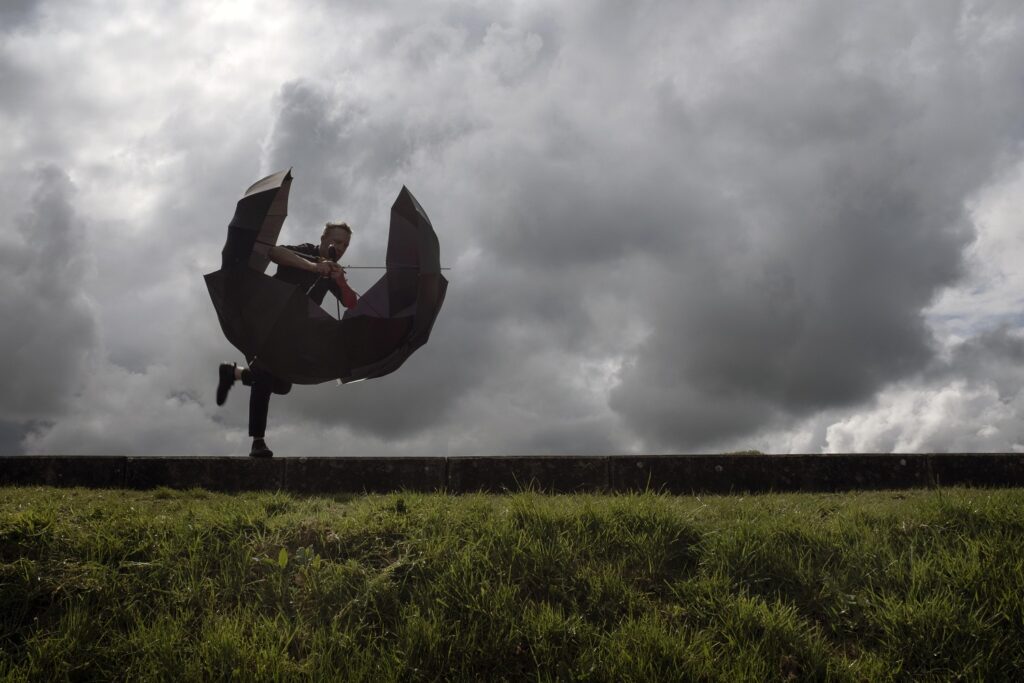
{"type": "Point", "coordinates": [288, 258]}
{"type": "Point", "coordinates": [340, 289]}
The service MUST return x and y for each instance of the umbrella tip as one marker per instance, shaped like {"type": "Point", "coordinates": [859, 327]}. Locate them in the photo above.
{"type": "Point", "coordinates": [406, 202]}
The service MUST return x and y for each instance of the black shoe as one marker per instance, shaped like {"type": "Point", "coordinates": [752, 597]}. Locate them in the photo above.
{"type": "Point", "coordinates": [227, 380]}
{"type": "Point", "coordinates": [260, 450]}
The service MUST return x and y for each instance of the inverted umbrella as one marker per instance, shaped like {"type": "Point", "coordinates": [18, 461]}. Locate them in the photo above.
{"type": "Point", "coordinates": [275, 324]}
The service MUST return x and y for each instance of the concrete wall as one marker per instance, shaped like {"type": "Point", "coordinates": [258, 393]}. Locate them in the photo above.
{"type": "Point", "coordinates": [671, 473]}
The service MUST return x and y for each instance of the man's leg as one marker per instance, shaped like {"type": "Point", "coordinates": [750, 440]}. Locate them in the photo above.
{"type": "Point", "coordinates": [263, 385]}
{"type": "Point", "coordinates": [259, 405]}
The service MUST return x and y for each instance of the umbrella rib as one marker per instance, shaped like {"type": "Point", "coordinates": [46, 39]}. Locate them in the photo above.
{"type": "Point", "coordinates": [308, 258]}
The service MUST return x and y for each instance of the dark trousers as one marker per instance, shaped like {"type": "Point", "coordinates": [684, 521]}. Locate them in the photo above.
{"type": "Point", "coordinates": [263, 385]}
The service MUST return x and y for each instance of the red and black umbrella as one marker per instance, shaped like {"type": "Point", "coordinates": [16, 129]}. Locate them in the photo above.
{"type": "Point", "coordinates": [276, 325]}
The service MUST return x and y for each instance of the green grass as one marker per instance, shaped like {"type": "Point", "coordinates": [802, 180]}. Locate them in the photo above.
{"type": "Point", "coordinates": [168, 585]}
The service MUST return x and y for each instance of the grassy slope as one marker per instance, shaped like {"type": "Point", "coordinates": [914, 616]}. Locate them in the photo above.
{"type": "Point", "coordinates": [172, 585]}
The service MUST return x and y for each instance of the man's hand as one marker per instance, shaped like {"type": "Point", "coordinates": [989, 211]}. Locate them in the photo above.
{"type": "Point", "coordinates": [327, 268]}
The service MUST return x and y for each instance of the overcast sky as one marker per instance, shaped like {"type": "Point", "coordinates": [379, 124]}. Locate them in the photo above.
{"type": "Point", "coordinates": [672, 226]}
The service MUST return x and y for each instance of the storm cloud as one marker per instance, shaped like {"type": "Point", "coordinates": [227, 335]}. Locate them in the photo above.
{"type": "Point", "coordinates": [49, 325]}
{"type": "Point", "coordinates": [842, 181]}
{"type": "Point", "coordinates": [671, 226]}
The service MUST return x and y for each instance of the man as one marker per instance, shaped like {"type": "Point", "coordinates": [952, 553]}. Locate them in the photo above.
{"type": "Point", "coordinates": [315, 269]}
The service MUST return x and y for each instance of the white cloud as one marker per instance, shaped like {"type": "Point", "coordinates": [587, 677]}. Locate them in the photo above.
{"type": "Point", "coordinates": [949, 418]}
{"type": "Point", "coordinates": [993, 291]}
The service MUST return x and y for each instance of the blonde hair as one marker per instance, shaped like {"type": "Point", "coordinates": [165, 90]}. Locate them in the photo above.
{"type": "Point", "coordinates": [338, 224]}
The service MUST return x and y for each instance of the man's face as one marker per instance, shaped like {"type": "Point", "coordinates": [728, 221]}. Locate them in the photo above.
{"type": "Point", "coordinates": [336, 236]}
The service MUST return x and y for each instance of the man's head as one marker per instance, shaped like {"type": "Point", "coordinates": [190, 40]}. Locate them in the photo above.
{"type": "Point", "coordinates": [337, 234]}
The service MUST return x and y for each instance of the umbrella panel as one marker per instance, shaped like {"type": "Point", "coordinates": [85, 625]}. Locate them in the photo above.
{"type": "Point", "coordinates": [413, 288]}
{"type": "Point", "coordinates": [246, 303]}
{"type": "Point", "coordinates": [399, 340]}
{"type": "Point", "coordinates": [306, 345]}
{"type": "Point", "coordinates": [257, 222]}
{"type": "Point", "coordinates": [278, 186]}
{"type": "Point", "coordinates": [278, 325]}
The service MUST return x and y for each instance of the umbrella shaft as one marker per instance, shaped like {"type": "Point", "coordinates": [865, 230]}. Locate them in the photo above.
{"type": "Point", "coordinates": [384, 267]}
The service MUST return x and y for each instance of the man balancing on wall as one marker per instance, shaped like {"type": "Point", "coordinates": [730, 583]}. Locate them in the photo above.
{"type": "Point", "coordinates": [315, 269]}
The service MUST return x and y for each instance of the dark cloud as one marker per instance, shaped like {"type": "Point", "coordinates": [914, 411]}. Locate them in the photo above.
{"type": "Point", "coordinates": [11, 436]}
{"type": "Point", "coordinates": [787, 224]}
{"type": "Point", "coordinates": [15, 14]}
{"type": "Point", "coordinates": [16, 83]}
{"type": "Point", "coordinates": [847, 211]}
{"type": "Point", "coordinates": [50, 327]}
{"type": "Point", "coordinates": [671, 225]}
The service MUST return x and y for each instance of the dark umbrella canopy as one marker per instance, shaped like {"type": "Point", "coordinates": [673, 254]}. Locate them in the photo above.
{"type": "Point", "coordinates": [257, 222]}
{"type": "Point", "coordinates": [276, 325]}
{"type": "Point", "coordinates": [411, 291]}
